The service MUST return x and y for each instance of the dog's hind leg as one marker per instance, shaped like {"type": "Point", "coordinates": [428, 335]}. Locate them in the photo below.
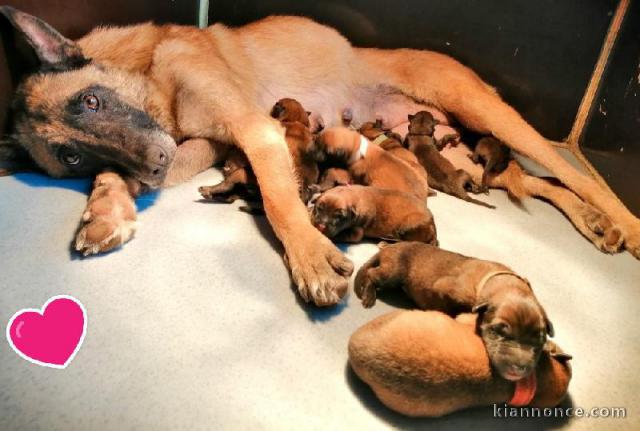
{"type": "Point", "coordinates": [435, 78]}
{"type": "Point", "coordinates": [589, 221]}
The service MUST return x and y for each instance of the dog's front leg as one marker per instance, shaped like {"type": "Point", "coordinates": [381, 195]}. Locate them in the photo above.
{"type": "Point", "coordinates": [109, 219]}
{"type": "Point", "coordinates": [318, 268]}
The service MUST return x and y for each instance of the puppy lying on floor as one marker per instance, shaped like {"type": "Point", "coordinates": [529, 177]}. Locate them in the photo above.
{"type": "Point", "coordinates": [368, 164]}
{"type": "Point", "coordinates": [428, 364]}
{"type": "Point", "coordinates": [512, 323]}
{"type": "Point", "coordinates": [240, 182]}
{"type": "Point", "coordinates": [443, 175]}
{"type": "Point", "coordinates": [350, 213]}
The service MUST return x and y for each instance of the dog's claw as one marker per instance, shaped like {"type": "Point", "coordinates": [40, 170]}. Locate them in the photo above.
{"type": "Point", "coordinates": [319, 271]}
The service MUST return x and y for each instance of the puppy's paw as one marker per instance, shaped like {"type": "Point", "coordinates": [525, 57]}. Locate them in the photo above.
{"type": "Point", "coordinates": [109, 219]}
{"type": "Point", "coordinates": [318, 269]}
{"type": "Point", "coordinates": [365, 290]}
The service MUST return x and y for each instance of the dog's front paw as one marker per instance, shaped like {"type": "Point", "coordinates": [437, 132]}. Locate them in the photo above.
{"type": "Point", "coordinates": [319, 270]}
{"type": "Point", "coordinates": [109, 219]}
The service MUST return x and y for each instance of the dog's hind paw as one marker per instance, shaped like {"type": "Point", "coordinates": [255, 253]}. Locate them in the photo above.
{"type": "Point", "coordinates": [319, 270]}
{"type": "Point", "coordinates": [603, 233]}
{"type": "Point", "coordinates": [632, 244]}
{"type": "Point", "coordinates": [109, 219]}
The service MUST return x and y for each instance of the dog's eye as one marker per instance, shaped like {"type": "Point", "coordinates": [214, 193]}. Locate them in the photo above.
{"type": "Point", "coordinates": [69, 156]}
{"type": "Point", "coordinates": [91, 102]}
{"type": "Point", "coordinates": [501, 329]}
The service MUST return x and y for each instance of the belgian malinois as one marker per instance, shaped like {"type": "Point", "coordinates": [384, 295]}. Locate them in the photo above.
{"type": "Point", "coordinates": [159, 104]}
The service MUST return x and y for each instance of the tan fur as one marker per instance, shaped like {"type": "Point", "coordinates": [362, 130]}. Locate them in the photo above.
{"type": "Point", "coordinates": [218, 84]}
{"type": "Point", "coordinates": [427, 364]}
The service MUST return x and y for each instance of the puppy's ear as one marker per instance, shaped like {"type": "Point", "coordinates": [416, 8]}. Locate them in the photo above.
{"type": "Point", "coordinates": [13, 157]}
{"type": "Point", "coordinates": [410, 117]}
{"type": "Point", "coordinates": [480, 308]}
{"type": "Point", "coordinates": [549, 327]}
{"type": "Point", "coordinates": [561, 356]}
{"type": "Point", "coordinates": [308, 112]}
{"type": "Point", "coordinates": [54, 51]}
{"type": "Point", "coordinates": [277, 111]}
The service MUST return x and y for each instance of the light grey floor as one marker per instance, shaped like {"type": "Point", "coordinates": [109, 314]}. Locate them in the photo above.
{"type": "Point", "coordinates": [194, 325]}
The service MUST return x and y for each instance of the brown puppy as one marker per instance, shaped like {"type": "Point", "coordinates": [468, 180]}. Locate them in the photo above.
{"type": "Point", "coordinates": [512, 323]}
{"type": "Point", "coordinates": [428, 364]}
{"type": "Point", "coordinates": [240, 181]}
{"type": "Point", "coordinates": [494, 155]}
{"type": "Point", "coordinates": [392, 143]}
{"type": "Point", "coordinates": [443, 175]}
{"type": "Point", "coordinates": [333, 177]}
{"type": "Point", "coordinates": [368, 164]}
{"type": "Point", "coordinates": [350, 213]}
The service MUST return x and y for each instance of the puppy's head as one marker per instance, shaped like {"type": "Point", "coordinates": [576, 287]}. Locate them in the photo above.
{"type": "Point", "coordinates": [332, 212]}
{"type": "Point", "coordinates": [290, 110]}
{"type": "Point", "coordinates": [372, 130]}
{"type": "Point", "coordinates": [514, 330]}
{"type": "Point", "coordinates": [422, 123]}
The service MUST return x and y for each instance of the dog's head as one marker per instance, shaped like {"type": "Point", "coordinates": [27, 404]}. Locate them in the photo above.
{"type": "Point", "coordinates": [76, 117]}
{"type": "Point", "coordinates": [514, 330]}
{"type": "Point", "coordinates": [422, 123]}
{"type": "Point", "coordinates": [332, 211]}
{"type": "Point", "coordinates": [290, 110]}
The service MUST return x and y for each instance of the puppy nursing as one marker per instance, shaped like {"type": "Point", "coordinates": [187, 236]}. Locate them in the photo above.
{"type": "Point", "coordinates": [351, 213]}
{"type": "Point", "coordinates": [427, 364]}
{"type": "Point", "coordinates": [512, 323]}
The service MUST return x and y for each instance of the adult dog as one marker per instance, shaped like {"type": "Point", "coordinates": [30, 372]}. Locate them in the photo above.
{"type": "Point", "coordinates": [158, 103]}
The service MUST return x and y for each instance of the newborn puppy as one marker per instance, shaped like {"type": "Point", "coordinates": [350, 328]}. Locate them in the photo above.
{"type": "Point", "coordinates": [512, 323]}
{"type": "Point", "coordinates": [443, 175]}
{"type": "Point", "coordinates": [493, 154]}
{"type": "Point", "coordinates": [368, 164]}
{"type": "Point", "coordinates": [333, 177]}
{"type": "Point", "coordinates": [239, 181]}
{"type": "Point", "coordinates": [428, 364]}
{"type": "Point", "coordinates": [350, 213]}
{"type": "Point", "coordinates": [390, 142]}
{"type": "Point", "coordinates": [300, 141]}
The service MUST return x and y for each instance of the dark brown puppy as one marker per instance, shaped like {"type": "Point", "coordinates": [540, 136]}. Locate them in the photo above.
{"type": "Point", "coordinates": [240, 182]}
{"type": "Point", "coordinates": [494, 155]}
{"type": "Point", "coordinates": [428, 364]}
{"type": "Point", "coordinates": [332, 177]}
{"type": "Point", "coordinates": [443, 175]}
{"type": "Point", "coordinates": [350, 213]}
{"type": "Point", "coordinates": [368, 164]}
{"type": "Point", "coordinates": [512, 323]}
{"type": "Point", "coordinates": [300, 141]}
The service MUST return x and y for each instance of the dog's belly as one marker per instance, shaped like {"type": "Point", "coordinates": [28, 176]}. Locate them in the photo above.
{"type": "Point", "coordinates": [365, 103]}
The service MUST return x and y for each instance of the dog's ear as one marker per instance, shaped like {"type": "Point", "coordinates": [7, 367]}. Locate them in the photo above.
{"type": "Point", "coordinates": [54, 51]}
{"type": "Point", "coordinates": [410, 117]}
{"type": "Point", "coordinates": [480, 308]}
{"type": "Point", "coordinates": [561, 356]}
{"type": "Point", "coordinates": [308, 113]}
{"type": "Point", "coordinates": [13, 157]}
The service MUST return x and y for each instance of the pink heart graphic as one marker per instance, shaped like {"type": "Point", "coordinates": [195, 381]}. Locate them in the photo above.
{"type": "Point", "coordinates": [49, 337]}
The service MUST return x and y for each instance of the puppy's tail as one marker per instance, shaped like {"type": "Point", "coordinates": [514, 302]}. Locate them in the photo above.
{"type": "Point", "coordinates": [513, 177]}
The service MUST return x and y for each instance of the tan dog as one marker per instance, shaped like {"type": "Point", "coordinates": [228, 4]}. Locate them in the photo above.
{"type": "Point", "coordinates": [369, 164]}
{"type": "Point", "coordinates": [428, 364]}
{"type": "Point", "coordinates": [333, 177]}
{"type": "Point", "coordinates": [351, 213]}
{"type": "Point", "coordinates": [493, 155]}
{"type": "Point", "coordinates": [155, 101]}
{"type": "Point", "coordinates": [512, 322]}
